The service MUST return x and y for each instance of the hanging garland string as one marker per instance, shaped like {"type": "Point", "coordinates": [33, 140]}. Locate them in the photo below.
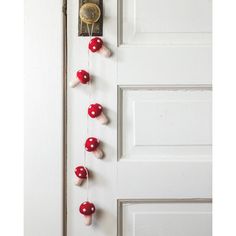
{"type": "Point", "coordinates": [90, 33]}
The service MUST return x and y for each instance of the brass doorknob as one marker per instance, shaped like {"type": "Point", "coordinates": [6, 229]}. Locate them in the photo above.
{"type": "Point", "coordinates": [89, 13]}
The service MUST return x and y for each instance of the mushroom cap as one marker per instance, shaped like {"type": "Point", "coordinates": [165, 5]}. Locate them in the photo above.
{"type": "Point", "coordinates": [91, 144]}
{"type": "Point", "coordinates": [87, 208]}
{"type": "Point", "coordinates": [83, 76]}
{"type": "Point", "coordinates": [81, 172]}
{"type": "Point", "coordinates": [95, 110]}
{"type": "Point", "coordinates": [95, 44]}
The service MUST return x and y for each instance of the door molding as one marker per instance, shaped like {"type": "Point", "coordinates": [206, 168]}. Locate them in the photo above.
{"type": "Point", "coordinates": [65, 61]}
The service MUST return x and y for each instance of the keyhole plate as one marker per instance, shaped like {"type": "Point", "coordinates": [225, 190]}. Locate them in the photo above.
{"type": "Point", "coordinates": [90, 12]}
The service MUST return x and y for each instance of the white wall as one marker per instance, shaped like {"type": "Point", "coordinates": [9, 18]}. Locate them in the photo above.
{"type": "Point", "coordinates": [43, 117]}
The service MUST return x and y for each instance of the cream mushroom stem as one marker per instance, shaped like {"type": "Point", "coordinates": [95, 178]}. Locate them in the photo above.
{"type": "Point", "coordinates": [74, 83]}
{"type": "Point", "coordinates": [88, 220]}
{"type": "Point", "coordinates": [98, 153]}
{"type": "Point", "coordinates": [102, 119]}
{"type": "Point", "coordinates": [104, 51]}
{"type": "Point", "coordinates": [78, 181]}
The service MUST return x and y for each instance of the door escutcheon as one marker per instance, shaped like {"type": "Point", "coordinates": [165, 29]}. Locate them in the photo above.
{"type": "Point", "coordinates": [90, 13]}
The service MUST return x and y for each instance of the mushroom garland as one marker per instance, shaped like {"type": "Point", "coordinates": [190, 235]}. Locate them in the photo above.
{"type": "Point", "coordinates": [82, 173]}
{"type": "Point", "coordinates": [96, 111]}
{"type": "Point", "coordinates": [87, 209]}
{"type": "Point", "coordinates": [83, 77]}
{"type": "Point", "coordinates": [92, 144]}
{"type": "Point", "coordinates": [96, 45]}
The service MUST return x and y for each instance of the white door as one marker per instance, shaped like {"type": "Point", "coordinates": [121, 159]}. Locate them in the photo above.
{"type": "Point", "coordinates": [155, 178]}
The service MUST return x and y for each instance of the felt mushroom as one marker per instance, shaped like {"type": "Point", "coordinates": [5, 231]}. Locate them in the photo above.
{"type": "Point", "coordinates": [82, 77]}
{"type": "Point", "coordinates": [82, 173]}
{"type": "Point", "coordinates": [87, 209]}
{"type": "Point", "coordinates": [96, 45]}
{"type": "Point", "coordinates": [95, 111]}
{"type": "Point", "coordinates": [92, 145]}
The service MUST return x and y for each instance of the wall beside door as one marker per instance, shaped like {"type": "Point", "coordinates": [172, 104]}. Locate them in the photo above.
{"type": "Point", "coordinates": [43, 117]}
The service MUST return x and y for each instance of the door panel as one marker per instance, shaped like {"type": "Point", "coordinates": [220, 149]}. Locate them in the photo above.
{"type": "Point", "coordinates": [165, 22]}
{"type": "Point", "coordinates": [159, 123]}
{"type": "Point", "coordinates": [165, 218]}
{"type": "Point", "coordinates": [155, 178]}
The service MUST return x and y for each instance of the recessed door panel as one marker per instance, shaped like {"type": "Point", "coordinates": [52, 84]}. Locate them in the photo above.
{"type": "Point", "coordinates": [158, 123]}
{"type": "Point", "coordinates": [165, 22]}
{"type": "Point", "coordinates": [165, 218]}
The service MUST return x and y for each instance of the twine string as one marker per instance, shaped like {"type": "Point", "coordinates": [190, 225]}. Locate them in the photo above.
{"type": "Point", "coordinates": [90, 33]}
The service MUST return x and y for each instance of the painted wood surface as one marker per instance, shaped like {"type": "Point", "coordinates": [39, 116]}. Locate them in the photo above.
{"type": "Point", "coordinates": [43, 118]}
{"type": "Point", "coordinates": [156, 90]}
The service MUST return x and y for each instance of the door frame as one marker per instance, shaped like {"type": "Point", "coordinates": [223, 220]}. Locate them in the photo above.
{"type": "Point", "coordinates": [65, 61]}
{"type": "Point", "coordinates": [45, 141]}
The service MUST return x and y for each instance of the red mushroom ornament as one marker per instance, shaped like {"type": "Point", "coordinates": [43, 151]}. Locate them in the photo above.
{"type": "Point", "coordinates": [87, 209]}
{"type": "Point", "coordinates": [96, 45]}
{"type": "Point", "coordinates": [95, 111]}
{"type": "Point", "coordinates": [82, 173]}
{"type": "Point", "coordinates": [83, 77]}
{"type": "Point", "coordinates": [92, 145]}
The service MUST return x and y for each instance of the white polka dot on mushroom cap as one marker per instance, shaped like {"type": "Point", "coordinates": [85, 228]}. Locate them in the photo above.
{"type": "Point", "coordinates": [81, 169]}
{"type": "Point", "coordinates": [84, 210]}
{"type": "Point", "coordinates": [100, 107]}
{"type": "Point", "coordinates": [92, 209]}
{"type": "Point", "coordinates": [94, 47]}
{"type": "Point", "coordinates": [90, 106]}
{"type": "Point", "coordinates": [91, 145]}
{"type": "Point", "coordinates": [85, 76]}
{"type": "Point", "coordinates": [84, 203]}
{"type": "Point", "coordinates": [79, 174]}
{"type": "Point", "coordinates": [93, 112]}
{"type": "Point", "coordinates": [90, 139]}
